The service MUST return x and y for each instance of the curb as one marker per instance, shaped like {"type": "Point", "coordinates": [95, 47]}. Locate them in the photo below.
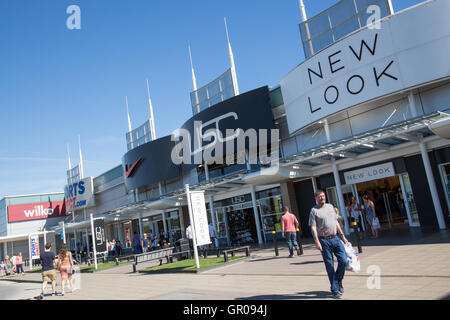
{"type": "Point", "coordinates": [195, 271]}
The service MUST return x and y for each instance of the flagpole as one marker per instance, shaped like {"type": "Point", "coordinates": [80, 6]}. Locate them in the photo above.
{"type": "Point", "coordinates": [129, 123]}
{"type": "Point", "coordinates": [152, 119]}
{"type": "Point", "coordinates": [194, 81]}
{"type": "Point", "coordinates": [232, 66]}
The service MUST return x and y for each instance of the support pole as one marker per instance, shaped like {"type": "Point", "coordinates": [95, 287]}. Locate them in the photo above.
{"type": "Point", "coordinates": [255, 209]}
{"type": "Point", "coordinates": [191, 219]}
{"type": "Point", "coordinates": [432, 185]}
{"type": "Point", "coordinates": [93, 241]}
{"type": "Point", "coordinates": [213, 220]}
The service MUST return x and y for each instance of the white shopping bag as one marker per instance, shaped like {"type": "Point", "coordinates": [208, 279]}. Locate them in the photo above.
{"type": "Point", "coordinates": [353, 263]}
{"type": "Point", "coordinates": [376, 223]}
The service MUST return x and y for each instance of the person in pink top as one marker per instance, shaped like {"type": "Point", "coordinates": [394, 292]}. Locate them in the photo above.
{"type": "Point", "coordinates": [289, 225]}
{"type": "Point", "coordinates": [19, 264]}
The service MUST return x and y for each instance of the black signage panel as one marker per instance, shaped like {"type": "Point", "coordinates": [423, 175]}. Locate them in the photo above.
{"type": "Point", "coordinates": [250, 111]}
{"type": "Point", "coordinates": [152, 162]}
{"type": "Point", "coordinates": [99, 235]}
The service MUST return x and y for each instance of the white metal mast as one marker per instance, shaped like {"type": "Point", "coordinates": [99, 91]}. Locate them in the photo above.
{"type": "Point", "coordinates": [194, 81]}
{"type": "Point", "coordinates": [81, 159]}
{"type": "Point", "coordinates": [152, 119]}
{"type": "Point", "coordinates": [233, 68]}
{"type": "Point", "coordinates": [129, 123]}
{"type": "Point", "coordinates": [304, 19]}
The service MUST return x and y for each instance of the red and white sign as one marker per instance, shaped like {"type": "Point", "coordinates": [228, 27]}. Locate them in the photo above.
{"type": "Point", "coordinates": [36, 211]}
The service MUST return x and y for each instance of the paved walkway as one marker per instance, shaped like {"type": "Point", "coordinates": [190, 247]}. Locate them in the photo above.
{"type": "Point", "coordinates": [411, 265]}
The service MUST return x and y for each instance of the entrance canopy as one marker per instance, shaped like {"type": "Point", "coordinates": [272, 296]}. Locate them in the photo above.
{"type": "Point", "coordinates": [380, 139]}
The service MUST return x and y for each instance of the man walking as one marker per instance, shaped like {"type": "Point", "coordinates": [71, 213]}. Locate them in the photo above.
{"type": "Point", "coordinates": [289, 225]}
{"type": "Point", "coordinates": [48, 261]}
{"type": "Point", "coordinates": [324, 228]}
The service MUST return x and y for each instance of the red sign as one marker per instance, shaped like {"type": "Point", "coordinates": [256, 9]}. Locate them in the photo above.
{"type": "Point", "coordinates": [36, 211]}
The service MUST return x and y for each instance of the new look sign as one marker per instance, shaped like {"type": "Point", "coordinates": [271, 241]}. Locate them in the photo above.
{"type": "Point", "coordinates": [381, 171]}
{"type": "Point", "coordinates": [409, 49]}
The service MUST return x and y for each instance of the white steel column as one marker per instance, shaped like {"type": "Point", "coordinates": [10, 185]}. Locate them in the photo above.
{"type": "Point", "coordinates": [165, 224]}
{"type": "Point", "coordinates": [256, 214]}
{"type": "Point", "coordinates": [405, 200]}
{"type": "Point", "coordinates": [314, 183]}
{"type": "Point", "coordinates": [206, 171]}
{"type": "Point", "coordinates": [213, 218]}
{"type": "Point", "coordinates": [87, 241]}
{"type": "Point", "coordinates": [141, 229]}
{"type": "Point", "coordinates": [342, 209]}
{"type": "Point", "coordinates": [432, 185]}
{"type": "Point", "coordinates": [29, 252]}
{"type": "Point", "coordinates": [412, 104]}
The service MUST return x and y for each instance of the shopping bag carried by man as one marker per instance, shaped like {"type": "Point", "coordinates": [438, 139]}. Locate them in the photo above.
{"type": "Point", "coordinates": [353, 263]}
{"type": "Point", "coordinates": [376, 223]}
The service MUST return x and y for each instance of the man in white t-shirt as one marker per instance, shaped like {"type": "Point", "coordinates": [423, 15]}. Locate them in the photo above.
{"type": "Point", "coordinates": [212, 235]}
{"type": "Point", "coordinates": [189, 236]}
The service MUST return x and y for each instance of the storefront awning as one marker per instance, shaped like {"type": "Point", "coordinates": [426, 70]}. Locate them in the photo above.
{"type": "Point", "coordinates": [19, 237]}
{"type": "Point", "coordinates": [380, 139]}
{"type": "Point", "coordinates": [275, 174]}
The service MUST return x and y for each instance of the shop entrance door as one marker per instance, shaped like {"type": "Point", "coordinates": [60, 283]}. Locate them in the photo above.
{"type": "Point", "coordinates": [387, 196]}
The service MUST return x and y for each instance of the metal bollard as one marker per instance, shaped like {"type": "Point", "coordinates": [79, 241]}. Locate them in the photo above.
{"type": "Point", "coordinates": [117, 261]}
{"type": "Point", "coordinates": [134, 267]}
{"type": "Point", "coordinates": [300, 246]}
{"type": "Point", "coordinates": [355, 229]}
{"type": "Point", "coordinates": [275, 243]}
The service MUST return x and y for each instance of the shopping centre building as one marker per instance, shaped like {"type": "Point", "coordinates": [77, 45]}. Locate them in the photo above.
{"type": "Point", "coordinates": [365, 113]}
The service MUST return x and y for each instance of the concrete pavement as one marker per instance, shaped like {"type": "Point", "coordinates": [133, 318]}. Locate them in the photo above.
{"type": "Point", "coordinates": [404, 264]}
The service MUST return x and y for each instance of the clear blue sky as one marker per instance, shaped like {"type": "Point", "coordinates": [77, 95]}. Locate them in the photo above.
{"type": "Point", "coordinates": [56, 84]}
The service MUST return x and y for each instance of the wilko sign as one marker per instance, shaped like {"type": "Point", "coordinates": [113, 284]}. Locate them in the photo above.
{"type": "Point", "coordinates": [36, 211]}
{"type": "Point", "coordinates": [78, 195]}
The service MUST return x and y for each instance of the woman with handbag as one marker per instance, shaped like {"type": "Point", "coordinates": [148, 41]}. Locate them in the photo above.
{"type": "Point", "coordinates": [65, 265]}
{"type": "Point", "coordinates": [371, 215]}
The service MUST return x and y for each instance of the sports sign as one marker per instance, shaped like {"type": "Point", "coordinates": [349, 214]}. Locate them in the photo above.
{"type": "Point", "coordinates": [34, 245]}
{"type": "Point", "coordinates": [36, 211]}
{"type": "Point", "coordinates": [79, 194]}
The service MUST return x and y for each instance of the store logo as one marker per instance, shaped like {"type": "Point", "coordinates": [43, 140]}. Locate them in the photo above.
{"type": "Point", "coordinates": [213, 151]}
{"type": "Point", "coordinates": [129, 172]}
{"type": "Point", "coordinates": [38, 211]}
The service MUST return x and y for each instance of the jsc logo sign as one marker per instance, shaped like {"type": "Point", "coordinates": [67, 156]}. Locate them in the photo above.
{"type": "Point", "coordinates": [78, 194]}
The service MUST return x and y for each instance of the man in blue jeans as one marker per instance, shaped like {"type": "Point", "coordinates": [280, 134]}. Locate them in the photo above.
{"type": "Point", "coordinates": [324, 228]}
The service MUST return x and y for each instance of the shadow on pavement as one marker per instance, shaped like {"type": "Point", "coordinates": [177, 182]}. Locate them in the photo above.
{"type": "Point", "coordinates": [307, 262]}
{"type": "Point", "coordinates": [299, 296]}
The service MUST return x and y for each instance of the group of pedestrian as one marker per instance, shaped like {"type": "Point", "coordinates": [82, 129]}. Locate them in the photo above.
{"type": "Point", "coordinates": [361, 213]}
{"type": "Point", "coordinates": [13, 265]}
{"type": "Point", "coordinates": [114, 247]}
{"type": "Point", "coordinates": [63, 263]}
{"type": "Point", "coordinates": [148, 242]}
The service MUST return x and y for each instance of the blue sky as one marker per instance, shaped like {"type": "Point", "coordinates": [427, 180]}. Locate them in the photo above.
{"type": "Point", "coordinates": [56, 83]}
